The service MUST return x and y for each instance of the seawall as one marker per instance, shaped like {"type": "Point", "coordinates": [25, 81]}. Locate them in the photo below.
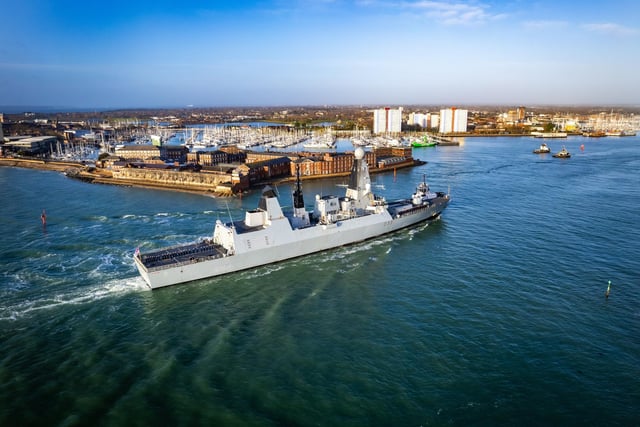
{"type": "Point", "coordinates": [213, 184]}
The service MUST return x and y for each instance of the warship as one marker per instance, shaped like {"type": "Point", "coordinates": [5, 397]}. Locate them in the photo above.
{"type": "Point", "coordinates": [267, 234]}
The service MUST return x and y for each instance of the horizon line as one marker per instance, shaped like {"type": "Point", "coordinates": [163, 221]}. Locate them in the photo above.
{"type": "Point", "coordinates": [17, 109]}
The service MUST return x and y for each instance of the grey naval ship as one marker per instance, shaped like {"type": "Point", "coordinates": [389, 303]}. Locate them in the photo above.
{"type": "Point", "coordinates": [268, 235]}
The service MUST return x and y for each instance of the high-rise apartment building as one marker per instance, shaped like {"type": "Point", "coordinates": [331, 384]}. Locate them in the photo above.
{"type": "Point", "coordinates": [434, 120]}
{"type": "Point", "coordinates": [418, 119]}
{"type": "Point", "coordinates": [387, 120]}
{"type": "Point", "coordinates": [453, 120]}
{"type": "Point", "coordinates": [425, 121]}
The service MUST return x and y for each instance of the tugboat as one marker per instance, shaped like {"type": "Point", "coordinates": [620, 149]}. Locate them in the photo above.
{"type": "Point", "coordinates": [544, 148]}
{"type": "Point", "coordinates": [267, 234]}
{"type": "Point", "coordinates": [562, 154]}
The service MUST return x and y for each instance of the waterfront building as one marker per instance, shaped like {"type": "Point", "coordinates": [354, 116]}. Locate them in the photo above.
{"type": "Point", "coordinates": [341, 163]}
{"type": "Point", "coordinates": [326, 164]}
{"type": "Point", "coordinates": [267, 169]}
{"type": "Point", "coordinates": [208, 158]}
{"type": "Point", "coordinates": [387, 120]}
{"type": "Point", "coordinates": [225, 154]}
{"type": "Point", "coordinates": [176, 153]}
{"type": "Point", "coordinates": [30, 145]}
{"type": "Point", "coordinates": [1, 132]}
{"type": "Point", "coordinates": [260, 156]}
{"type": "Point", "coordinates": [453, 120]}
{"type": "Point", "coordinates": [382, 152]}
{"type": "Point", "coordinates": [138, 152]}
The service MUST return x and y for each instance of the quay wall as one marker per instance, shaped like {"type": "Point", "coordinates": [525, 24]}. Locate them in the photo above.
{"type": "Point", "coordinates": [199, 181]}
{"type": "Point", "coordinates": [39, 164]}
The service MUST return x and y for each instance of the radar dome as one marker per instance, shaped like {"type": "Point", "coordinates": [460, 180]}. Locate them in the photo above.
{"type": "Point", "coordinates": [359, 153]}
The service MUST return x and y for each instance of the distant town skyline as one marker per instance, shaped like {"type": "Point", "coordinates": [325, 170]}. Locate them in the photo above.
{"type": "Point", "coordinates": [155, 54]}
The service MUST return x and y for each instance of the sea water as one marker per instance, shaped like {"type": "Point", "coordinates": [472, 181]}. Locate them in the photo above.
{"type": "Point", "coordinates": [493, 315]}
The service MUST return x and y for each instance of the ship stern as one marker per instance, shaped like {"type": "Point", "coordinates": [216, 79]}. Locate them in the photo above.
{"type": "Point", "coordinates": [142, 269]}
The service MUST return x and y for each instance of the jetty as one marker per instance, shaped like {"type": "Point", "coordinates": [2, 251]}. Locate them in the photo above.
{"type": "Point", "coordinates": [442, 140]}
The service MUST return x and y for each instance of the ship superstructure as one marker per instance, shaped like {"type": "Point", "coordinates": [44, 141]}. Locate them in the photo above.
{"type": "Point", "coordinates": [267, 235]}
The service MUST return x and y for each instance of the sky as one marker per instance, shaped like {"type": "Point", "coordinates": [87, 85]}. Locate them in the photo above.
{"type": "Point", "coordinates": [161, 53]}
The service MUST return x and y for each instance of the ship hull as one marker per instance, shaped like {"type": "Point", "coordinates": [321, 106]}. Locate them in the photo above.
{"type": "Point", "coordinates": [280, 242]}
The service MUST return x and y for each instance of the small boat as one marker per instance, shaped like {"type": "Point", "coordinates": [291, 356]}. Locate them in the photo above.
{"type": "Point", "coordinates": [594, 134]}
{"type": "Point", "coordinates": [544, 148]}
{"type": "Point", "coordinates": [549, 134]}
{"type": "Point", "coordinates": [563, 154]}
{"type": "Point", "coordinates": [424, 142]}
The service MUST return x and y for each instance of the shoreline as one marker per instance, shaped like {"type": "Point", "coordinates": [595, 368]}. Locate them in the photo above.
{"type": "Point", "coordinates": [78, 171]}
{"type": "Point", "coordinates": [54, 165]}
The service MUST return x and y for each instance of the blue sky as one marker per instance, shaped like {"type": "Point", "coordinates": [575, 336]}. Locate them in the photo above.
{"type": "Point", "coordinates": [313, 52]}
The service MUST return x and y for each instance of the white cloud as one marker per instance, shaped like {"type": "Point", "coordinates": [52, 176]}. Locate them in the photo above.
{"type": "Point", "coordinates": [610, 28]}
{"type": "Point", "coordinates": [448, 13]}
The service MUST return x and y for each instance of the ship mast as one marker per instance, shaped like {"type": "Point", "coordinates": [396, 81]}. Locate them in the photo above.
{"type": "Point", "coordinates": [359, 189]}
{"type": "Point", "coordinates": [298, 201]}
{"type": "Point", "coordinates": [300, 215]}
